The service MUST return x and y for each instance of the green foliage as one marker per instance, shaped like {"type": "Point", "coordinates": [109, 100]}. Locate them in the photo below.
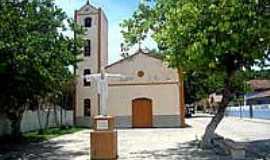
{"type": "Point", "coordinates": [215, 38]}
{"type": "Point", "coordinates": [260, 74]}
{"type": "Point", "coordinates": [137, 27]}
{"type": "Point", "coordinates": [35, 136]}
{"type": "Point", "coordinates": [49, 134]}
{"type": "Point", "coordinates": [198, 85]}
{"type": "Point", "coordinates": [35, 56]}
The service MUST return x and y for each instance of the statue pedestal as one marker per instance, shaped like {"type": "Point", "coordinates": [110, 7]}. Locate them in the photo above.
{"type": "Point", "coordinates": [104, 138]}
{"type": "Point", "coordinates": [104, 123]}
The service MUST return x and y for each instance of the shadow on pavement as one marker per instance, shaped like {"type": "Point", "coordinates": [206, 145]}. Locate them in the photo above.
{"type": "Point", "coordinates": [36, 151]}
{"type": "Point", "coordinates": [190, 151]}
{"type": "Point", "coordinates": [53, 150]}
{"type": "Point", "coordinates": [183, 151]}
{"type": "Point", "coordinates": [259, 148]}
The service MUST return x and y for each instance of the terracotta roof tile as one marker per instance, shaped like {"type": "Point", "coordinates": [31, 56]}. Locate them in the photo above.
{"type": "Point", "coordinates": [260, 84]}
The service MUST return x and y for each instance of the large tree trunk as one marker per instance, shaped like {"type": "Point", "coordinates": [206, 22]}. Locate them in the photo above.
{"type": "Point", "coordinates": [47, 118]}
{"type": "Point", "coordinates": [41, 129]}
{"type": "Point", "coordinates": [55, 115]}
{"type": "Point", "coordinates": [16, 128]}
{"type": "Point", "coordinates": [65, 110]}
{"type": "Point", "coordinates": [16, 118]}
{"type": "Point", "coordinates": [181, 97]}
{"type": "Point", "coordinates": [211, 127]}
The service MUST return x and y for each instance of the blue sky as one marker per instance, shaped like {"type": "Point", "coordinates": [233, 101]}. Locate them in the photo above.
{"type": "Point", "coordinates": [116, 11]}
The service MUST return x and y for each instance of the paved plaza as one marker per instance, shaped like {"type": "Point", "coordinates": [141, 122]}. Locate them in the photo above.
{"type": "Point", "coordinates": [156, 143]}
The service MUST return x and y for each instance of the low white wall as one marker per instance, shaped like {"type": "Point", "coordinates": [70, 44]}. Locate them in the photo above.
{"type": "Point", "coordinates": [30, 120]}
{"type": "Point", "coordinates": [4, 125]}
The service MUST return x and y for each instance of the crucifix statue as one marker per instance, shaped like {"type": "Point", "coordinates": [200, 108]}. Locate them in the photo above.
{"type": "Point", "coordinates": [101, 80]}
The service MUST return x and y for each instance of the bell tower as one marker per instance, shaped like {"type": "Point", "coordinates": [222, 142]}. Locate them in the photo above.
{"type": "Point", "coordinates": [94, 57]}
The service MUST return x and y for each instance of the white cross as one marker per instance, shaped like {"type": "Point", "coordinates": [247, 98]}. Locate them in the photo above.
{"type": "Point", "coordinates": [101, 80]}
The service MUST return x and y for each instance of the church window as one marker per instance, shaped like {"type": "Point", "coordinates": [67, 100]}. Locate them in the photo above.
{"type": "Point", "coordinates": [87, 107]}
{"type": "Point", "coordinates": [86, 72]}
{"type": "Point", "coordinates": [140, 73]}
{"type": "Point", "coordinates": [88, 22]}
{"type": "Point", "coordinates": [87, 48]}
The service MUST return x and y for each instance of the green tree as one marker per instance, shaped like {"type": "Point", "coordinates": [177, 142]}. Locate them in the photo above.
{"type": "Point", "coordinates": [221, 37]}
{"type": "Point", "coordinates": [35, 55]}
{"type": "Point", "coordinates": [198, 85]}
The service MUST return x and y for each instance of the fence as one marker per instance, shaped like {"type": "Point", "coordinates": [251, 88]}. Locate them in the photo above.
{"type": "Point", "coordinates": [254, 111]}
{"type": "Point", "coordinates": [34, 120]}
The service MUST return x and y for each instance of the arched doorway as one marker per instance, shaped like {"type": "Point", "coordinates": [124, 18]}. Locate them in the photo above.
{"type": "Point", "coordinates": [142, 115]}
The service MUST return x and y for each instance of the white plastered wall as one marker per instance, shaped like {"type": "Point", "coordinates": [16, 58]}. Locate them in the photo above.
{"type": "Point", "coordinates": [154, 69]}
{"type": "Point", "coordinates": [104, 40]}
{"type": "Point", "coordinates": [164, 98]}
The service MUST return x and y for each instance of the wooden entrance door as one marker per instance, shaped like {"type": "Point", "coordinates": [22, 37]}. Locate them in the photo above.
{"type": "Point", "coordinates": [142, 113]}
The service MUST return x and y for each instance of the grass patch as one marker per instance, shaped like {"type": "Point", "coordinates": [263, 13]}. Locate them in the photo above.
{"type": "Point", "coordinates": [38, 136]}
{"type": "Point", "coordinates": [47, 134]}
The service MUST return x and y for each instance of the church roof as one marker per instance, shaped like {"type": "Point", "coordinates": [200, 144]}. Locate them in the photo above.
{"type": "Point", "coordinates": [144, 52]}
{"type": "Point", "coordinates": [260, 84]}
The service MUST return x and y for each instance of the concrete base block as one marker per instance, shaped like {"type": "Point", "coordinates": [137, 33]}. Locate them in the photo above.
{"type": "Point", "coordinates": [103, 145]}
{"type": "Point", "coordinates": [166, 121]}
{"type": "Point", "coordinates": [238, 154]}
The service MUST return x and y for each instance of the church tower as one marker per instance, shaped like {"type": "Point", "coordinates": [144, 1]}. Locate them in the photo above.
{"type": "Point", "coordinates": [94, 57]}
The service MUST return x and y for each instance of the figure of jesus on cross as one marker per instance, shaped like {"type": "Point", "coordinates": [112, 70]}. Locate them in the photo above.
{"type": "Point", "coordinates": [102, 80]}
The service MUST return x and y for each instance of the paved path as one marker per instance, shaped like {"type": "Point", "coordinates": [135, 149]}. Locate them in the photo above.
{"type": "Point", "coordinates": [254, 133]}
{"type": "Point", "coordinates": [161, 144]}
{"type": "Point", "coordinates": [236, 128]}
{"type": "Point", "coordinates": [150, 144]}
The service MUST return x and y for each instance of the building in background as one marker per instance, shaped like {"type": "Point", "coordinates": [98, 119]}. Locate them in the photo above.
{"type": "Point", "coordinates": [214, 99]}
{"type": "Point", "coordinates": [260, 94]}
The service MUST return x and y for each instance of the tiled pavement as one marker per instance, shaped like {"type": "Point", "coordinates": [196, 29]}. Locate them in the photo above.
{"type": "Point", "coordinates": [156, 143]}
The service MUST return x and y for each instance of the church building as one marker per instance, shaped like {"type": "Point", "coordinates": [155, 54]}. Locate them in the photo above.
{"type": "Point", "coordinates": [150, 98]}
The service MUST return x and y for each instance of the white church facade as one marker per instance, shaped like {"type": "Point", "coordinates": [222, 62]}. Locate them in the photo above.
{"type": "Point", "coordinates": [150, 98]}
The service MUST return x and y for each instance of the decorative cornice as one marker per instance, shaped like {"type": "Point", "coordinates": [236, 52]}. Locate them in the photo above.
{"type": "Point", "coordinates": [143, 83]}
{"type": "Point", "coordinates": [87, 4]}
